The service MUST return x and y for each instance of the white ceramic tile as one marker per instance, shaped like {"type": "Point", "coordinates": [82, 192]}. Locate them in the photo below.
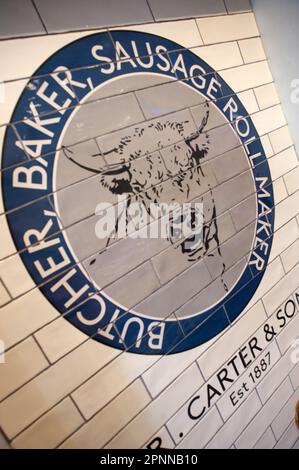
{"type": "Point", "coordinates": [248, 99]}
{"type": "Point", "coordinates": [184, 32]}
{"type": "Point", "coordinates": [161, 439]}
{"type": "Point", "coordinates": [281, 291]}
{"type": "Point", "coordinates": [296, 445]}
{"type": "Point", "coordinates": [273, 274]}
{"type": "Point", "coordinates": [220, 56]}
{"type": "Point", "coordinates": [203, 431]}
{"type": "Point", "coordinates": [25, 61]}
{"type": "Point", "coordinates": [287, 209]}
{"type": "Point", "coordinates": [164, 371]}
{"type": "Point", "coordinates": [12, 91]}
{"type": "Point", "coordinates": [3, 442]}
{"type": "Point", "coordinates": [252, 50]}
{"type": "Point", "coordinates": [180, 425]}
{"type": "Point", "coordinates": [292, 180]}
{"type": "Point", "coordinates": [267, 441]}
{"type": "Point", "coordinates": [15, 276]}
{"type": "Point", "coordinates": [235, 425]}
{"type": "Point", "coordinates": [264, 418]}
{"type": "Point", "coordinates": [104, 425]}
{"type": "Point", "coordinates": [232, 340]}
{"type": "Point", "coordinates": [227, 28]}
{"type": "Point", "coordinates": [267, 96]}
{"type": "Point", "coordinates": [58, 338]}
{"type": "Point", "coordinates": [25, 315]}
{"type": "Point", "coordinates": [272, 381]}
{"type": "Point", "coordinates": [106, 384]}
{"type": "Point", "coordinates": [42, 393]}
{"type": "Point", "coordinates": [22, 362]}
{"type": "Point", "coordinates": [280, 191]}
{"type": "Point", "coordinates": [7, 246]}
{"type": "Point", "coordinates": [265, 141]}
{"type": "Point", "coordinates": [247, 76]}
{"type": "Point", "coordinates": [294, 375]}
{"type": "Point", "coordinates": [284, 237]}
{"type": "Point", "coordinates": [2, 134]}
{"type": "Point", "coordinates": [281, 139]}
{"type": "Point", "coordinates": [51, 429]}
{"type": "Point", "coordinates": [290, 257]}
{"type": "Point", "coordinates": [284, 417]}
{"type": "Point", "coordinates": [231, 400]}
{"type": "Point", "coordinates": [269, 119]}
{"type": "Point", "coordinates": [159, 411]}
{"type": "Point", "coordinates": [283, 163]}
{"type": "Point", "coordinates": [289, 334]}
{"type": "Point", "coordinates": [289, 438]}
{"type": "Point", "coordinates": [4, 295]}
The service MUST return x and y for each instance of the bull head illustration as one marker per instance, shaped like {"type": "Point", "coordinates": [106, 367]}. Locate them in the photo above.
{"type": "Point", "coordinates": [180, 164]}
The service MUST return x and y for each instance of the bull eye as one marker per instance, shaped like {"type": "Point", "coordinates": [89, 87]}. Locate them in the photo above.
{"type": "Point", "coordinates": [120, 186]}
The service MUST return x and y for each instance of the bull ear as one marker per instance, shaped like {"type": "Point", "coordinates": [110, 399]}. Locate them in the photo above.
{"type": "Point", "coordinates": [70, 155]}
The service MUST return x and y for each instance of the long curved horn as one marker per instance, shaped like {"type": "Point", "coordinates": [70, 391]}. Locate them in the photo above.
{"type": "Point", "coordinates": [64, 149]}
{"type": "Point", "coordinates": [203, 124]}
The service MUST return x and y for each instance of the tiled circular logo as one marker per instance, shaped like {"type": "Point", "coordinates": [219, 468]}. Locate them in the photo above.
{"type": "Point", "coordinates": [135, 116]}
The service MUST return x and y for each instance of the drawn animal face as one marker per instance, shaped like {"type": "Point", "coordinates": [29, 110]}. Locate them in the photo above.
{"type": "Point", "coordinates": [154, 153]}
{"type": "Point", "coordinates": [140, 166]}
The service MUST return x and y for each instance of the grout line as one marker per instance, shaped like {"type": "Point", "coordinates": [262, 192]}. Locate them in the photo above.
{"type": "Point", "coordinates": [151, 10]}
{"type": "Point", "coordinates": [146, 387]}
{"type": "Point", "coordinates": [90, 216]}
{"type": "Point", "coordinates": [163, 356]}
{"type": "Point", "coordinates": [39, 16]}
{"type": "Point", "coordinates": [120, 392]}
{"type": "Point", "coordinates": [225, 6]}
{"type": "Point", "coordinates": [42, 351]}
{"type": "Point", "coordinates": [189, 110]}
{"type": "Point", "coordinates": [203, 384]}
{"type": "Point", "coordinates": [123, 25]}
{"type": "Point", "coordinates": [78, 409]}
{"type": "Point", "coordinates": [244, 61]}
{"type": "Point", "coordinates": [66, 313]}
{"type": "Point", "coordinates": [182, 49]}
{"type": "Point", "coordinates": [199, 32]}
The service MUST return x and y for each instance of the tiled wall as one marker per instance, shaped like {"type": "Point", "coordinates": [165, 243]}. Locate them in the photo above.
{"type": "Point", "coordinates": [60, 388]}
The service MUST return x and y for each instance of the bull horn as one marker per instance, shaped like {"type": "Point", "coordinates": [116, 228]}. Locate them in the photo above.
{"type": "Point", "coordinates": [84, 167]}
{"type": "Point", "coordinates": [205, 118]}
{"type": "Point", "coordinates": [203, 124]}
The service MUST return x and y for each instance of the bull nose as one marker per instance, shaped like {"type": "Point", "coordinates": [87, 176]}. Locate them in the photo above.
{"type": "Point", "coordinates": [116, 169]}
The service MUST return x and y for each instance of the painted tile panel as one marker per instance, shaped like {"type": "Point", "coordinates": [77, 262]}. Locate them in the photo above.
{"type": "Point", "coordinates": [141, 400]}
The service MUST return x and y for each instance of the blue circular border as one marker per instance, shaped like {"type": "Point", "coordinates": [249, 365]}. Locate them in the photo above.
{"type": "Point", "coordinates": [178, 335]}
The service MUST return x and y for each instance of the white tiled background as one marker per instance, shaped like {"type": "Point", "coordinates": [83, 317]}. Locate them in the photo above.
{"type": "Point", "coordinates": [60, 389]}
